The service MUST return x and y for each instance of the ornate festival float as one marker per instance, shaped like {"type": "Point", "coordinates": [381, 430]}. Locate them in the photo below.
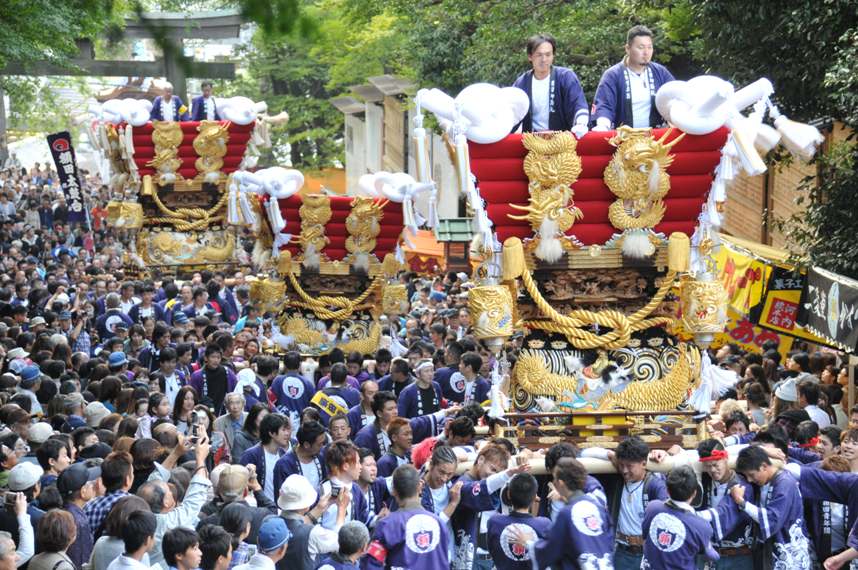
{"type": "Point", "coordinates": [598, 251]}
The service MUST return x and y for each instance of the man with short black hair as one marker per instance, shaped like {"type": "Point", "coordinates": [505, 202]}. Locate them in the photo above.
{"type": "Point", "coordinates": [53, 456]}
{"type": "Point", "coordinates": [117, 476]}
{"type": "Point", "coordinates": [779, 513]}
{"type": "Point", "coordinates": [138, 536]}
{"type": "Point", "coordinates": [374, 436]}
{"type": "Point", "coordinates": [305, 458]}
{"type": "Point", "coordinates": [557, 101]}
{"type": "Point", "coordinates": [216, 547]}
{"type": "Point", "coordinates": [808, 398]}
{"type": "Point", "coordinates": [275, 439]}
{"type": "Point", "coordinates": [213, 380]}
{"type": "Point", "coordinates": [398, 378]}
{"type": "Point", "coordinates": [410, 537]}
{"type": "Point", "coordinates": [291, 390]}
{"type": "Point", "coordinates": [341, 394]}
{"type": "Point", "coordinates": [582, 535]}
{"type": "Point", "coordinates": [468, 386]}
{"type": "Point", "coordinates": [673, 534]}
{"type": "Point", "coordinates": [626, 92]}
{"type": "Point", "coordinates": [629, 503]}
{"type": "Point", "coordinates": [519, 496]}
{"type": "Point", "coordinates": [204, 108]}
{"type": "Point", "coordinates": [181, 549]}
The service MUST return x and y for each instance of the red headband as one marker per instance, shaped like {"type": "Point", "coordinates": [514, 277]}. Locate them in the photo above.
{"type": "Point", "coordinates": [715, 455]}
{"type": "Point", "coordinates": [814, 441]}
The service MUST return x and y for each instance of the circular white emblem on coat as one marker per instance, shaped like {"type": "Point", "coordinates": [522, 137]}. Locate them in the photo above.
{"type": "Point", "coordinates": [293, 387]}
{"type": "Point", "coordinates": [422, 534]}
{"type": "Point", "coordinates": [326, 567]}
{"type": "Point", "coordinates": [587, 518]}
{"type": "Point", "coordinates": [512, 551]}
{"type": "Point", "coordinates": [667, 532]}
{"type": "Point", "coordinates": [457, 382]}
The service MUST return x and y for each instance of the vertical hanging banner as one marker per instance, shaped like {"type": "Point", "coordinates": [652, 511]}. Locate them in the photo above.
{"type": "Point", "coordinates": [778, 310]}
{"type": "Point", "coordinates": [64, 159]}
{"type": "Point", "coordinates": [829, 308]}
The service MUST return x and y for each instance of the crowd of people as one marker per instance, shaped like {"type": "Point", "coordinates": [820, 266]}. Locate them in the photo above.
{"type": "Point", "coordinates": [148, 423]}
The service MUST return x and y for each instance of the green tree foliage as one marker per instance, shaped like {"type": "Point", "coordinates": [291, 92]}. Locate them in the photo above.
{"type": "Point", "coordinates": [45, 31]}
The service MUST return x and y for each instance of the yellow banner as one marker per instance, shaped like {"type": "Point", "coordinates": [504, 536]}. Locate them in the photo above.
{"type": "Point", "coordinates": [739, 330]}
{"type": "Point", "coordinates": [744, 278]}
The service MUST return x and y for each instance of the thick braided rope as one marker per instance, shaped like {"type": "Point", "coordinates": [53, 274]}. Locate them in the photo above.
{"type": "Point", "coordinates": [320, 305]}
{"type": "Point", "coordinates": [181, 218]}
{"type": "Point", "coordinates": [621, 326]}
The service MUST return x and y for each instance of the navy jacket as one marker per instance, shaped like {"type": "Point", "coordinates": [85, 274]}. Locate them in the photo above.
{"type": "Point", "coordinates": [567, 104]}
{"type": "Point", "coordinates": [198, 109]}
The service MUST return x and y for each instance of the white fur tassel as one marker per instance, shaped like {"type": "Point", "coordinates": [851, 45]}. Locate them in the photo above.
{"type": "Point", "coordinates": [312, 259]}
{"type": "Point", "coordinates": [361, 262]}
{"type": "Point", "coordinates": [637, 244]}
{"type": "Point", "coordinates": [549, 249]}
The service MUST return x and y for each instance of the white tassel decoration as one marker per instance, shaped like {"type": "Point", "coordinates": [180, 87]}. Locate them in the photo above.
{"type": "Point", "coordinates": [800, 139]}
{"type": "Point", "coordinates": [549, 249]}
{"type": "Point", "coordinates": [246, 211]}
{"type": "Point", "coordinates": [312, 259]}
{"type": "Point", "coordinates": [232, 216]}
{"type": "Point", "coordinates": [274, 216]}
{"type": "Point", "coordinates": [637, 244]}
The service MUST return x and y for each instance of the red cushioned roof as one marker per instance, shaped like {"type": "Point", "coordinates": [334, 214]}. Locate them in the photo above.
{"type": "Point", "coordinates": [144, 148]}
{"type": "Point", "coordinates": [335, 229]}
{"type": "Point", "coordinates": [501, 180]}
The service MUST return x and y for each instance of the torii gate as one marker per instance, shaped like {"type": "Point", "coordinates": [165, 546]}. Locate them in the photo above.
{"type": "Point", "coordinates": [175, 27]}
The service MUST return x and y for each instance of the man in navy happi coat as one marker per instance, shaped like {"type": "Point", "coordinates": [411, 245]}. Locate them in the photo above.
{"type": "Point", "coordinates": [557, 101]}
{"type": "Point", "coordinates": [203, 107]}
{"type": "Point", "coordinates": [776, 510]}
{"type": "Point", "coordinates": [673, 534]}
{"type": "Point", "coordinates": [582, 537]}
{"type": "Point", "coordinates": [626, 92]}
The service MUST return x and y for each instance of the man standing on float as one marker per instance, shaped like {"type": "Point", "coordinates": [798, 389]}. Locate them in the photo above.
{"type": "Point", "coordinates": [626, 92]}
{"type": "Point", "coordinates": [557, 100]}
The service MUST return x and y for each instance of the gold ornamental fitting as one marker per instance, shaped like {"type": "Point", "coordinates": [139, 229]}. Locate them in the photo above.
{"type": "Point", "coordinates": [491, 310]}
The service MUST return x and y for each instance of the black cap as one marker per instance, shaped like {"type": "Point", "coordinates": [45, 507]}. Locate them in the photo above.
{"type": "Point", "coordinates": [99, 449]}
{"type": "Point", "coordinates": [75, 477]}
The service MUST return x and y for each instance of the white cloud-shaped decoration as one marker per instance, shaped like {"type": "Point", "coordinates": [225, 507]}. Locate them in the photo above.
{"type": "Point", "coordinates": [240, 110]}
{"type": "Point", "coordinates": [485, 113]}
{"type": "Point", "coordinates": [135, 112]}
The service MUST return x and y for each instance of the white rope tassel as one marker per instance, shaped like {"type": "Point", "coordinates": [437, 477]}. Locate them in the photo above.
{"type": "Point", "coordinates": [246, 211]}
{"type": "Point", "coordinates": [232, 216]}
{"type": "Point", "coordinates": [274, 216]}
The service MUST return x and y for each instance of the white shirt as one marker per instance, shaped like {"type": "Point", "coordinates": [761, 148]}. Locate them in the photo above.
{"type": "Point", "coordinates": [310, 471]}
{"type": "Point", "coordinates": [641, 101]}
{"type": "Point", "coordinates": [539, 97]}
{"type": "Point", "coordinates": [172, 387]}
{"type": "Point", "coordinates": [270, 460]}
{"type": "Point", "coordinates": [440, 500]}
{"type": "Point", "coordinates": [167, 109]}
{"type": "Point", "coordinates": [329, 517]}
{"type": "Point", "coordinates": [818, 415]}
{"type": "Point", "coordinates": [257, 562]}
{"type": "Point", "coordinates": [210, 110]}
{"type": "Point", "coordinates": [631, 509]}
